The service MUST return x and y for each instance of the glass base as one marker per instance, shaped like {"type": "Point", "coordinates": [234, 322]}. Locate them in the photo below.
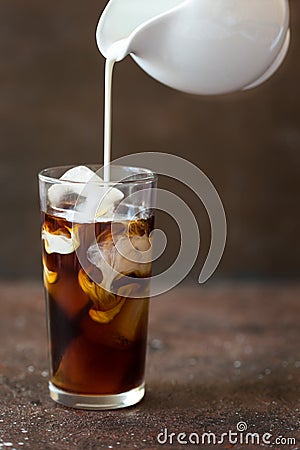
{"type": "Point", "coordinates": [97, 402]}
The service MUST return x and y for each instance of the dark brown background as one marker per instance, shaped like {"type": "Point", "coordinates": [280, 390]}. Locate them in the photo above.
{"type": "Point", "coordinates": [51, 98]}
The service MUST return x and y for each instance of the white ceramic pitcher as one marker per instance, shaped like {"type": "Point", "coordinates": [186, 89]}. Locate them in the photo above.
{"type": "Point", "coordinates": [198, 46]}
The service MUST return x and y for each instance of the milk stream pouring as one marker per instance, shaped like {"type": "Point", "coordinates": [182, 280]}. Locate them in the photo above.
{"type": "Point", "coordinates": [205, 47]}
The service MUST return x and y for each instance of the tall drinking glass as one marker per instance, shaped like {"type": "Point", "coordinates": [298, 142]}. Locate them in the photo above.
{"type": "Point", "coordinates": [96, 250]}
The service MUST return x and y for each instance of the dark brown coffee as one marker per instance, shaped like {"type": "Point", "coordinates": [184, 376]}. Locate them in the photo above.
{"type": "Point", "coordinates": [97, 338]}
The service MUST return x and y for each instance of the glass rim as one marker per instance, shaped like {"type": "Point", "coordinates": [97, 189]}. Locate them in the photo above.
{"type": "Point", "coordinates": [147, 175]}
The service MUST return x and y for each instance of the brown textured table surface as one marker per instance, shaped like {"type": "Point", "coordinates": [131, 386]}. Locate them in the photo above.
{"type": "Point", "coordinates": [218, 355]}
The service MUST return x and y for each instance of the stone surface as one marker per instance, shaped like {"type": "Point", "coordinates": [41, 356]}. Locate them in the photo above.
{"type": "Point", "coordinates": [218, 355]}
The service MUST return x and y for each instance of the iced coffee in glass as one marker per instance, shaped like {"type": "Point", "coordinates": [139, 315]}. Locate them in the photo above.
{"type": "Point", "coordinates": [96, 252]}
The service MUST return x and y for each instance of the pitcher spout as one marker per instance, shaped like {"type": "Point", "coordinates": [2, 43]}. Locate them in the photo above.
{"type": "Point", "coordinates": [122, 19]}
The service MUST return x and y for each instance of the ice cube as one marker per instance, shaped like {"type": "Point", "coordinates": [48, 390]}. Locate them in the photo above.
{"type": "Point", "coordinates": [123, 255]}
{"type": "Point", "coordinates": [131, 323]}
{"type": "Point", "coordinates": [106, 316]}
{"type": "Point", "coordinates": [90, 198]}
{"type": "Point", "coordinates": [106, 304]}
{"type": "Point", "coordinates": [119, 257]}
{"type": "Point", "coordinates": [59, 242]}
{"type": "Point", "coordinates": [58, 192]}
